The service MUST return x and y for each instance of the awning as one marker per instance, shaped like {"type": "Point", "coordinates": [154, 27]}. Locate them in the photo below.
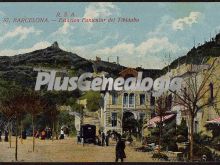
{"type": "Point", "coordinates": [152, 122]}
{"type": "Point", "coordinates": [215, 121]}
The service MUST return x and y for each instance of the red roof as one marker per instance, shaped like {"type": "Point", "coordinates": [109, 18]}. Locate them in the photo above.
{"type": "Point", "coordinates": [157, 119]}
{"type": "Point", "coordinates": [216, 121]}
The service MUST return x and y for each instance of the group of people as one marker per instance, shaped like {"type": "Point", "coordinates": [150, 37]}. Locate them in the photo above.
{"type": "Point", "coordinates": [6, 135]}
{"type": "Point", "coordinates": [104, 138]}
{"type": "Point", "coordinates": [44, 134]}
{"type": "Point", "coordinates": [47, 134]}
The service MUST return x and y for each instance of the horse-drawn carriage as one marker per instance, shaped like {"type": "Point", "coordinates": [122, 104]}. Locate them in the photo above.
{"type": "Point", "coordinates": [87, 134]}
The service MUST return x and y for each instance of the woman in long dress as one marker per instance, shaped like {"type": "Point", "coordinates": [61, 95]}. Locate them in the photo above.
{"type": "Point", "coordinates": [61, 134]}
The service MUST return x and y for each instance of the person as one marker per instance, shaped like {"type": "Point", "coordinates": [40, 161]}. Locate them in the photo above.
{"type": "Point", "coordinates": [43, 135]}
{"type": "Point", "coordinates": [204, 158]}
{"type": "Point", "coordinates": [24, 134]}
{"type": "Point", "coordinates": [78, 137]}
{"type": "Point", "coordinates": [98, 141]}
{"type": "Point", "coordinates": [67, 131]}
{"type": "Point", "coordinates": [37, 133]}
{"type": "Point", "coordinates": [61, 134]}
{"type": "Point", "coordinates": [120, 146]}
{"type": "Point", "coordinates": [107, 139]}
{"type": "Point", "coordinates": [103, 138]}
{"type": "Point", "coordinates": [6, 135]}
{"type": "Point", "coordinates": [49, 133]}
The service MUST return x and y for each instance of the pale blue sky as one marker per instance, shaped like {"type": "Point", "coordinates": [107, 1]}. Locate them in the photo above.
{"type": "Point", "coordinates": [163, 28]}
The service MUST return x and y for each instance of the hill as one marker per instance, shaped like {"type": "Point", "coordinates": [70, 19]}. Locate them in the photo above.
{"type": "Point", "coordinates": [198, 55]}
{"type": "Point", "coordinates": [19, 68]}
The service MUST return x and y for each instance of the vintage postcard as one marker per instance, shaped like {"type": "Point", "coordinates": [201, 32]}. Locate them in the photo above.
{"type": "Point", "coordinates": [109, 82]}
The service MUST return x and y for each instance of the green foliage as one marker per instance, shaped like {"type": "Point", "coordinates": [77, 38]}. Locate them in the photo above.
{"type": "Point", "coordinates": [182, 129]}
{"type": "Point", "coordinates": [214, 128]}
{"type": "Point", "coordinates": [168, 140]}
{"type": "Point", "coordinates": [27, 121]}
{"type": "Point", "coordinates": [215, 143]}
{"type": "Point", "coordinates": [68, 120]}
{"type": "Point", "coordinates": [93, 100]}
{"type": "Point", "coordinates": [58, 98]}
{"type": "Point", "coordinates": [200, 138]}
{"type": "Point", "coordinates": [181, 138]}
{"type": "Point", "coordinates": [72, 102]}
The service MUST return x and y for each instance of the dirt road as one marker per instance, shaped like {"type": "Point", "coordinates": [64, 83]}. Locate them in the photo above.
{"type": "Point", "coordinates": [66, 150]}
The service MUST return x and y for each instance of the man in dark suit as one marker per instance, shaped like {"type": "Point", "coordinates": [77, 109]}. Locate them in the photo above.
{"type": "Point", "coordinates": [120, 147]}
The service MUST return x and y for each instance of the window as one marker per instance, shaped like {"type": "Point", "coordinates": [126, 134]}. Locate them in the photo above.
{"type": "Point", "coordinates": [169, 101]}
{"type": "Point", "coordinates": [142, 99]}
{"type": "Point", "coordinates": [125, 99]}
{"type": "Point", "coordinates": [114, 99]}
{"type": "Point", "coordinates": [152, 100]}
{"type": "Point", "coordinates": [142, 115]}
{"type": "Point", "coordinates": [211, 92]}
{"type": "Point", "coordinates": [131, 99]}
{"type": "Point", "coordinates": [196, 127]}
{"type": "Point", "coordinates": [114, 119]}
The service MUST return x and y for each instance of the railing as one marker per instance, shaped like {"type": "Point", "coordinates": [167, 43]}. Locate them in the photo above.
{"type": "Point", "coordinates": [128, 105]}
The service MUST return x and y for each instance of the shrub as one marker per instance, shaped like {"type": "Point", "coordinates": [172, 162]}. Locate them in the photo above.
{"type": "Point", "coordinates": [180, 139]}
{"type": "Point", "coordinates": [129, 139]}
{"type": "Point", "coordinates": [182, 129]}
{"type": "Point", "coordinates": [160, 156]}
{"type": "Point", "coordinates": [172, 146]}
{"type": "Point", "coordinates": [200, 138]}
{"type": "Point", "coordinates": [144, 149]}
{"type": "Point", "coordinates": [202, 150]}
{"type": "Point", "coordinates": [216, 143]}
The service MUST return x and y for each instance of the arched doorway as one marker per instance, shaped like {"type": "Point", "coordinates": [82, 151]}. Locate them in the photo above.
{"type": "Point", "coordinates": [129, 122]}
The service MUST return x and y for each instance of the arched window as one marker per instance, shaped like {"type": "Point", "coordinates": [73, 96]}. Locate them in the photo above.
{"type": "Point", "coordinates": [131, 100]}
{"type": "Point", "coordinates": [114, 119]}
{"type": "Point", "coordinates": [114, 99]}
{"type": "Point", "coordinates": [125, 99]}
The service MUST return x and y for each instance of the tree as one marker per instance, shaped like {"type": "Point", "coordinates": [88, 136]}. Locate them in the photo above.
{"type": "Point", "coordinates": [14, 102]}
{"type": "Point", "coordinates": [182, 129]}
{"type": "Point", "coordinates": [9, 115]}
{"type": "Point", "coordinates": [197, 86]}
{"type": "Point", "coordinates": [76, 107]}
{"type": "Point", "coordinates": [93, 100]}
{"type": "Point", "coordinates": [51, 110]}
{"type": "Point", "coordinates": [34, 106]}
{"type": "Point", "coordinates": [52, 101]}
{"type": "Point", "coordinates": [161, 109]}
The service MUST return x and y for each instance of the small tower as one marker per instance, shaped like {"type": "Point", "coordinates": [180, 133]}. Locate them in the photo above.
{"type": "Point", "coordinates": [55, 45]}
